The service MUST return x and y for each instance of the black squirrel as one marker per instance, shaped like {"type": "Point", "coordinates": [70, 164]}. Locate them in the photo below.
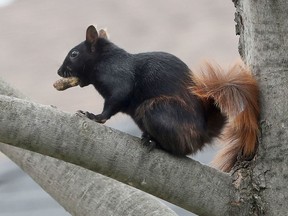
{"type": "Point", "coordinates": [177, 110]}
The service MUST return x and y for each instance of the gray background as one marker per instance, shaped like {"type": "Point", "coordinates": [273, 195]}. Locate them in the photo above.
{"type": "Point", "coordinates": [36, 35]}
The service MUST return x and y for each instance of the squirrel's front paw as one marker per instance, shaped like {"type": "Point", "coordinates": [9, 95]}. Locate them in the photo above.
{"type": "Point", "coordinates": [98, 118]}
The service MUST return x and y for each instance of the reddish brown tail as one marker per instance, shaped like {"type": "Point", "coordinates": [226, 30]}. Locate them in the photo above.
{"type": "Point", "coordinates": [236, 93]}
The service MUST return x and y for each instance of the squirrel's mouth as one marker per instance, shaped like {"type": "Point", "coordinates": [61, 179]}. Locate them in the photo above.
{"type": "Point", "coordinates": [65, 72]}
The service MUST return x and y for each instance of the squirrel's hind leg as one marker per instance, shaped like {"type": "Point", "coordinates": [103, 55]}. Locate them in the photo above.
{"type": "Point", "coordinates": [171, 126]}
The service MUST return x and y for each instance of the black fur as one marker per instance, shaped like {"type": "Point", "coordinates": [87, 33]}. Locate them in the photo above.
{"type": "Point", "coordinates": [150, 87]}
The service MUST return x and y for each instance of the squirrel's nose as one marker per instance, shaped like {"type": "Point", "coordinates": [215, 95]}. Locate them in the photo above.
{"type": "Point", "coordinates": [59, 72]}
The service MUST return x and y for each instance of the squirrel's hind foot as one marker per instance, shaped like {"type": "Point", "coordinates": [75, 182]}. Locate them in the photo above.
{"type": "Point", "coordinates": [148, 141]}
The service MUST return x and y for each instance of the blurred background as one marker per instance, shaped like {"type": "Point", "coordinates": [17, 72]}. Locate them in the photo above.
{"type": "Point", "coordinates": [35, 36]}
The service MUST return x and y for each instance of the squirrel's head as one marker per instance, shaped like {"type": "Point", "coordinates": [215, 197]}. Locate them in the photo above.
{"type": "Point", "coordinates": [79, 59]}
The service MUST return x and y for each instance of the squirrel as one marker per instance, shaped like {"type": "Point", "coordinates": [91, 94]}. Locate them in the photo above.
{"type": "Point", "coordinates": [177, 110]}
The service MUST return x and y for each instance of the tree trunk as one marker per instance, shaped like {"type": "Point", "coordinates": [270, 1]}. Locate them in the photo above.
{"type": "Point", "coordinates": [263, 29]}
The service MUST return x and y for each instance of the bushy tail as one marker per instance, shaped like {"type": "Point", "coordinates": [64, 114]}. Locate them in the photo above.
{"type": "Point", "coordinates": [236, 93]}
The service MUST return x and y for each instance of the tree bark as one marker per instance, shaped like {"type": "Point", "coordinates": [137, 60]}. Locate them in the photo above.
{"type": "Point", "coordinates": [263, 29]}
{"type": "Point", "coordinates": [182, 181]}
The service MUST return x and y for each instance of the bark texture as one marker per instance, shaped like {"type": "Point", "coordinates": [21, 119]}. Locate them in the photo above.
{"type": "Point", "coordinates": [263, 29]}
{"type": "Point", "coordinates": [75, 139]}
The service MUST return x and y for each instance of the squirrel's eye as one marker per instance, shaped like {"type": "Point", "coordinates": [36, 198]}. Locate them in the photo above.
{"type": "Point", "coordinates": [74, 54]}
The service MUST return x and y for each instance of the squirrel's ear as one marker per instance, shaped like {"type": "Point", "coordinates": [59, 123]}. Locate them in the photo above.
{"type": "Point", "coordinates": [91, 35]}
{"type": "Point", "coordinates": [103, 33]}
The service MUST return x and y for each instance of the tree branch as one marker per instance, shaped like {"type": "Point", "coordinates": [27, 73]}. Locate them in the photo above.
{"type": "Point", "coordinates": [75, 139]}
{"type": "Point", "coordinates": [91, 193]}
{"type": "Point", "coordinates": [83, 192]}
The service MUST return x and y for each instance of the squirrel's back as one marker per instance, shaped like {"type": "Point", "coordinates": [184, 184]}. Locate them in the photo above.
{"type": "Point", "coordinates": [160, 74]}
